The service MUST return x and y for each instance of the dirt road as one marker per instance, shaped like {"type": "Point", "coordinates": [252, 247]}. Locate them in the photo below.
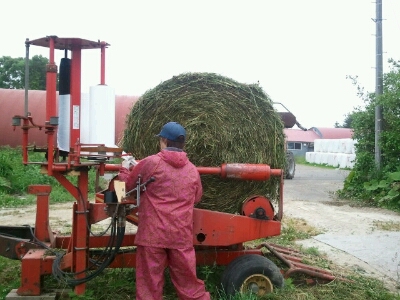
{"type": "Point", "coordinates": [351, 236]}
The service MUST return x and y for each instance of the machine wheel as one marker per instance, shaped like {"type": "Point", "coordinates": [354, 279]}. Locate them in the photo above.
{"type": "Point", "coordinates": [290, 167]}
{"type": "Point", "coordinates": [251, 273]}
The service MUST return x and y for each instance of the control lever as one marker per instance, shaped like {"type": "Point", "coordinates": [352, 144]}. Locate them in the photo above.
{"type": "Point", "coordinates": [140, 187]}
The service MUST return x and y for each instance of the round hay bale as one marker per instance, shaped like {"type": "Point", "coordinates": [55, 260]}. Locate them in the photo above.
{"type": "Point", "coordinates": [225, 121]}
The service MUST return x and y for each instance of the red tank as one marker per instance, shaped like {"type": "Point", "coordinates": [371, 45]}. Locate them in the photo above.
{"type": "Point", "coordinates": [12, 102]}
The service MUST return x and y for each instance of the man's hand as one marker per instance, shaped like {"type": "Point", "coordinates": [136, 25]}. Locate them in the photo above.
{"type": "Point", "coordinates": [128, 162]}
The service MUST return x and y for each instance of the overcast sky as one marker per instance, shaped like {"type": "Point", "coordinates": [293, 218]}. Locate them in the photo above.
{"type": "Point", "coordinates": [300, 52]}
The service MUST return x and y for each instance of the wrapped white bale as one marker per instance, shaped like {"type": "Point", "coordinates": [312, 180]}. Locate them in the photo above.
{"type": "Point", "coordinates": [342, 160]}
{"type": "Point", "coordinates": [348, 145]}
{"type": "Point", "coordinates": [310, 157]}
{"type": "Point", "coordinates": [317, 145]}
{"type": "Point", "coordinates": [332, 159]}
{"type": "Point", "coordinates": [324, 158]}
{"type": "Point", "coordinates": [351, 159]}
{"type": "Point", "coordinates": [317, 158]}
{"type": "Point", "coordinates": [325, 146]}
{"type": "Point", "coordinates": [334, 146]}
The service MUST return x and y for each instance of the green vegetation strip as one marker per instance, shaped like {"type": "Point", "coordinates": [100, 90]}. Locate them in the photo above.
{"type": "Point", "coordinates": [119, 284]}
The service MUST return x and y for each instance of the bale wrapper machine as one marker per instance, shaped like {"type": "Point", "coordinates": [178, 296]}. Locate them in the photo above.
{"type": "Point", "coordinates": [219, 238]}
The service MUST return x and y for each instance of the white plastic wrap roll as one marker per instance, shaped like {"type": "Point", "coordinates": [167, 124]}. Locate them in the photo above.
{"type": "Point", "coordinates": [63, 132]}
{"type": "Point", "coordinates": [102, 115]}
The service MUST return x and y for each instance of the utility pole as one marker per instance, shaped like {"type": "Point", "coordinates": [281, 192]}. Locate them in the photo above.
{"type": "Point", "coordinates": [378, 82]}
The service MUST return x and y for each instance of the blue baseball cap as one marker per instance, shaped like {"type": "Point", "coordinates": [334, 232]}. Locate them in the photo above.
{"type": "Point", "coordinates": [172, 131]}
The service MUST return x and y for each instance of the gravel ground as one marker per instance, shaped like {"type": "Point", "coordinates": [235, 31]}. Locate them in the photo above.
{"type": "Point", "coordinates": [350, 235]}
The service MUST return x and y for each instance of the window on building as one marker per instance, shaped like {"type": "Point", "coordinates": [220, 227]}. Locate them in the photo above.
{"type": "Point", "coordinates": [294, 146]}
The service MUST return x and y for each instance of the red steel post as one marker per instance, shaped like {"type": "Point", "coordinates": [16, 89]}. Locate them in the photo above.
{"type": "Point", "coordinates": [81, 232]}
{"type": "Point", "coordinates": [51, 93]}
{"type": "Point", "coordinates": [75, 96]}
{"type": "Point", "coordinates": [103, 64]}
{"type": "Point", "coordinates": [42, 225]}
{"type": "Point", "coordinates": [34, 264]}
{"type": "Point", "coordinates": [51, 82]}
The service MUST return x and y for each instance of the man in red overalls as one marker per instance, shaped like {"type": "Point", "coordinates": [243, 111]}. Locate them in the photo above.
{"type": "Point", "coordinates": [165, 232]}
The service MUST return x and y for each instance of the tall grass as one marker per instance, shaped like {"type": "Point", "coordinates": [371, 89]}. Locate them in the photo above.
{"type": "Point", "coordinates": [15, 178]}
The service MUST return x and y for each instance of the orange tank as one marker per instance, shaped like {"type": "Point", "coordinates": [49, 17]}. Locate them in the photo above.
{"type": "Point", "coordinates": [12, 102]}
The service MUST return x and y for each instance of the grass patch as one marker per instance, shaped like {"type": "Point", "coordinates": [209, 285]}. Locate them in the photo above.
{"type": "Point", "coordinates": [387, 226]}
{"type": "Point", "coordinates": [312, 251]}
{"type": "Point", "coordinates": [301, 160]}
{"type": "Point", "coordinates": [362, 289]}
{"type": "Point", "coordinates": [295, 229]}
{"type": "Point", "coordinates": [118, 284]}
{"type": "Point", "coordinates": [9, 276]}
{"type": "Point", "coordinates": [8, 201]}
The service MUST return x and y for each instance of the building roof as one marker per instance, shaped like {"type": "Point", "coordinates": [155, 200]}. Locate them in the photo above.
{"type": "Point", "coordinates": [297, 135]}
{"type": "Point", "coordinates": [333, 133]}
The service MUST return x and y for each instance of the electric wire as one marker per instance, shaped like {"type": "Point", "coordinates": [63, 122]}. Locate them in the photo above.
{"type": "Point", "coordinates": [86, 219]}
{"type": "Point", "coordinates": [107, 255]}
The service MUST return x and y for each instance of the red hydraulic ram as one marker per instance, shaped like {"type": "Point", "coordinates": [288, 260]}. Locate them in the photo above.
{"type": "Point", "coordinates": [242, 171]}
{"type": "Point", "coordinates": [231, 170]}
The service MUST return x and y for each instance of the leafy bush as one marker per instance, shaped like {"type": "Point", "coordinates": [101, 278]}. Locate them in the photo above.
{"type": "Point", "coordinates": [369, 182]}
{"type": "Point", "coordinates": [387, 190]}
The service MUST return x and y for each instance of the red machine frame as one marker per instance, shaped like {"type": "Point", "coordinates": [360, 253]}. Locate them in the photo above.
{"type": "Point", "coordinates": [215, 242]}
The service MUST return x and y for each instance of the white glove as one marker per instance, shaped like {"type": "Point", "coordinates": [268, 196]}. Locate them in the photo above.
{"type": "Point", "coordinates": [128, 162]}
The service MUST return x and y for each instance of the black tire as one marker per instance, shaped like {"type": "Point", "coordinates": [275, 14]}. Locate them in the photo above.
{"type": "Point", "coordinates": [251, 272]}
{"type": "Point", "coordinates": [290, 167]}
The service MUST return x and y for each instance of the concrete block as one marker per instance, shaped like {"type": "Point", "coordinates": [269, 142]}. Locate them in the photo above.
{"type": "Point", "coordinates": [52, 295]}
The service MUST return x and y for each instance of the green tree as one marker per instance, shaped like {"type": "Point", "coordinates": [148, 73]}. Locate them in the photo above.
{"type": "Point", "coordinates": [37, 72]}
{"type": "Point", "coordinates": [12, 72]}
{"type": "Point", "coordinates": [381, 187]}
{"type": "Point", "coordinates": [347, 123]}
